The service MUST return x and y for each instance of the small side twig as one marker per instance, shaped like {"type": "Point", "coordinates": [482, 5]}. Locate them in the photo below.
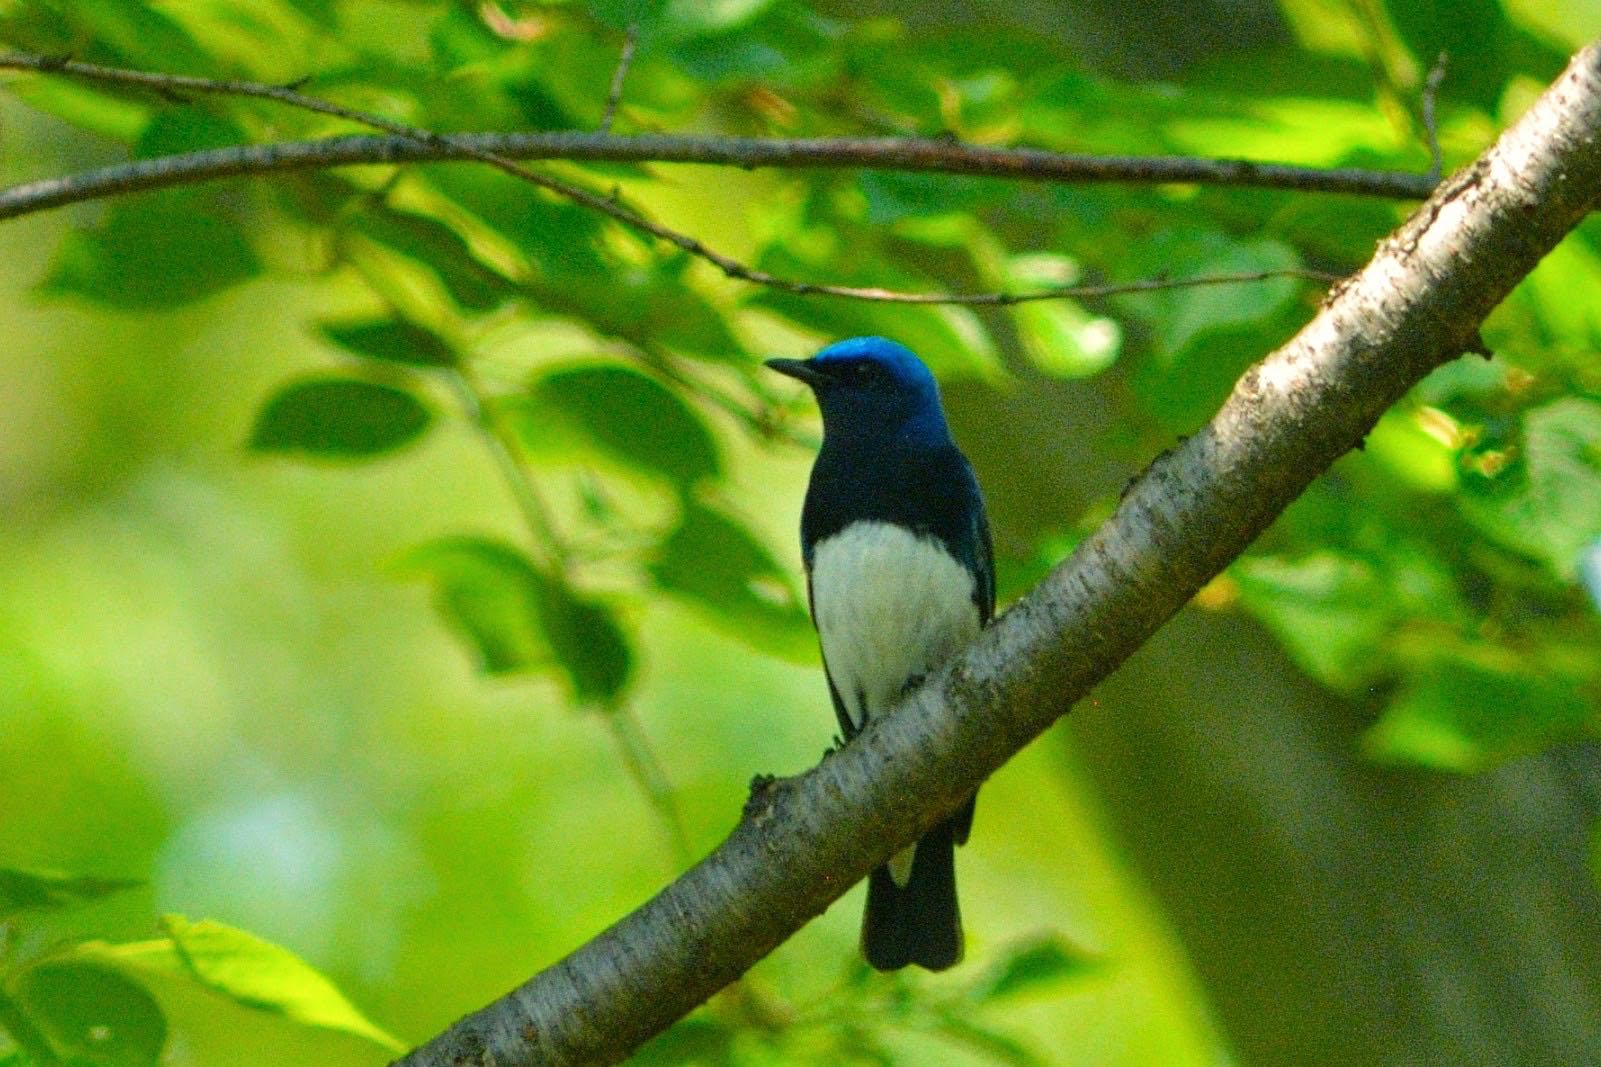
{"type": "Point", "coordinates": [1431, 131]}
{"type": "Point", "coordinates": [614, 95]}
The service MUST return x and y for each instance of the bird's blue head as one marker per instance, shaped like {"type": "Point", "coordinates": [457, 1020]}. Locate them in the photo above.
{"type": "Point", "coordinates": [871, 389]}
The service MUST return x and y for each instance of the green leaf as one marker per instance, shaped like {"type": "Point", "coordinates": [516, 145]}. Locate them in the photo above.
{"type": "Point", "coordinates": [187, 129]}
{"type": "Point", "coordinates": [93, 1014]}
{"type": "Point", "coordinates": [896, 195]}
{"type": "Point", "coordinates": [154, 251]}
{"type": "Point", "coordinates": [1205, 336]}
{"type": "Point", "coordinates": [425, 240]}
{"type": "Point", "coordinates": [1547, 503]}
{"type": "Point", "coordinates": [995, 1046]}
{"type": "Point", "coordinates": [1031, 967]}
{"type": "Point", "coordinates": [510, 613]}
{"type": "Point", "coordinates": [1473, 708]}
{"type": "Point", "coordinates": [391, 340]}
{"type": "Point", "coordinates": [1059, 336]}
{"type": "Point", "coordinates": [631, 417]}
{"type": "Point", "coordinates": [950, 339]}
{"type": "Point", "coordinates": [565, 242]}
{"type": "Point", "coordinates": [697, 1040]}
{"type": "Point", "coordinates": [588, 643]}
{"type": "Point", "coordinates": [1330, 611]}
{"type": "Point", "coordinates": [33, 890]}
{"type": "Point", "coordinates": [720, 568]}
{"type": "Point", "coordinates": [338, 418]}
{"type": "Point", "coordinates": [489, 594]}
{"type": "Point", "coordinates": [244, 968]}
{"type": "Point", "coordinates": [646, 306]}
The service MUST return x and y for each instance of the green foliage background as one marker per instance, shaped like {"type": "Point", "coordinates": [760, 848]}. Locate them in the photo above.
{"type": "Point", "coordinates": [385, 552]}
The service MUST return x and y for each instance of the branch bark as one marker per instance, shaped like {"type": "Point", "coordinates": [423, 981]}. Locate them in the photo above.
{"type": "Point", "coordinates": [804, 841]}
{"type": "Point", "coordinates": [926, 155]}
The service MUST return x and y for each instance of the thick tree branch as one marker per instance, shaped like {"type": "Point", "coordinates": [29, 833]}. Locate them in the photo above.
{"type": "Point", "coordinates": [804, 841]}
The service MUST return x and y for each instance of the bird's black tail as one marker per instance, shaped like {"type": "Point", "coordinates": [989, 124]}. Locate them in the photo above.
{"type": "Point", "coordinates": [920, 921]}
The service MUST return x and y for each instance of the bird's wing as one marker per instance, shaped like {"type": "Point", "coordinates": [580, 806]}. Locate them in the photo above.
{"type": "Point", "coordinates": [984, 561]}
{"type": "Point", "coordinates": [847, 729]}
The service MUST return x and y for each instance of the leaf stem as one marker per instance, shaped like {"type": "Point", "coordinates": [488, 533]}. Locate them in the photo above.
{"type": "Point", "coordinates": [27, 1037]}
{"type": "Point", "coordinates": [507, 454]}
{"type": "Point", "coordinates": [647, 773]}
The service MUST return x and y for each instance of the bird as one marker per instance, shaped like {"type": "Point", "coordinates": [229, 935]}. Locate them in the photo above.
{"type": "Point", "coordinates": [900, 576]}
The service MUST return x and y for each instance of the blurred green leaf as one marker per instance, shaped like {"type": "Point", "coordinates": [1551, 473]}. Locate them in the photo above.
{"type": "Point", "coordinates": [1473, 35]}
{"type": "Point", "coordinates": [115, 32]}
{"type": "Point", "coordinates": [1468, 710]}
{"type": "Point", "coordinates": [951, 339]}
{"type": "Point", "coordinates": [565, 242]}
{"type": "Point", "coordinates": [896, 195]}
{"type": "Point", "coordinates": [1059, 336]}
{"type": "Point", "coordinates": [187, 129]}
{"type": "Point", "coordinates": [699, 1040]}
{"type": "Point", "coordinates": [1330, 611]}
{"type": "Point", "coordinates": [722, 569]}
{"type": "Point", "coordinates": [1547, 503]}
{"type": "Point", "coordinates": [1205, 336]}
{"type": "Point", "coordinates": [1032, 967]}
{"type": "Point", "coordinates": [510, 613]}
{"type": "Point", "coordinates": [26, 890]}
{"type": "Point", "coordinates": [92, 1014]}
{"type": "Point", "coordinates": [430, 242]}
{"type": "Point", "coordinates": [154, 251]}
{"type": "Point", "coordinates": [588, 643]}
{"type": "Point", "coordinates": [244, 968]}
{"type": "Point", "coordinates": [631, 417]}
{"type": "Point", "coordinates": [646, 306]}
{"type": "Point", "coordinates": [488, 593]}
{"type": "Point", "coordinates": [338, 418]}
{"type": "Point", "coordinates": [995, 1046]}
{"type": "Point", "coordinates": [391, 340]}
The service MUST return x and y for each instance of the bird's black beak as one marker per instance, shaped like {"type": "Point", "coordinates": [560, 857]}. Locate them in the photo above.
{"type": "Point", "coordinates": [803, 370]}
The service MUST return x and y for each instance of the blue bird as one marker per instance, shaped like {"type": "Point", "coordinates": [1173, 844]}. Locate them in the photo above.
{"type": "Point", "coordinates": [900, 576]}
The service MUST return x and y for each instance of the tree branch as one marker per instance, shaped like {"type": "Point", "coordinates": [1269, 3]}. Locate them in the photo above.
{"type": "Point", "coordinates": [885, 153]}
{"type": "Point", "coordinates": [173, 85]}
{"type": "Point", "coordinates": [804, 841]}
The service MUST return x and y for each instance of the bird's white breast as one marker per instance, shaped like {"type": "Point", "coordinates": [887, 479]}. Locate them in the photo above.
{"type": "Point", "coordinates": [890, 606]}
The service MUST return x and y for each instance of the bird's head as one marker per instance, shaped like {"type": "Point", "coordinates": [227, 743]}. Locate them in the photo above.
{"type": "Point", "coordinates": [871, 388]}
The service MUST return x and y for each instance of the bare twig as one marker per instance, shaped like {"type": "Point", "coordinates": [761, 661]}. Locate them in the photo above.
{"type": "Point", "coordinates": [646, 770]}
{"type": "Point", "coordinates": [614, 95]}
{"type": "Point", "coordinates": [632, 744]}
{"type": "Point", "coordinates": [882, 153]}
{"type": "Point", "coordinates": [1431, 131]}
{"type": "Point", "coordinates": [605, 205]}
{"type": "Point", "coordinates": [503, 448]}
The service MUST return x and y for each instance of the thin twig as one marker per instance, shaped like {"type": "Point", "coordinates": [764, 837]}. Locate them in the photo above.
{"type": "Point", "coordinates": [924, 155]}
{"type": "Point", "coordinates": [610, 207]}
{"type": "Point", "coordinates": [638, 757]}
{"type": "Point", "coordinates": [614, 95]}
{"type": "Point", "coordinates": [1431, 132]}
{"type": "Point", "coordinates": [497, 440]}
{"type": "Point", "coordinates": [647, 773]}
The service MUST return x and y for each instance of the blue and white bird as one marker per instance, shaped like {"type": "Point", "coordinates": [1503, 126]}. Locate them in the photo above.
{"type": "Point", "coordinates": [901, 576]}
